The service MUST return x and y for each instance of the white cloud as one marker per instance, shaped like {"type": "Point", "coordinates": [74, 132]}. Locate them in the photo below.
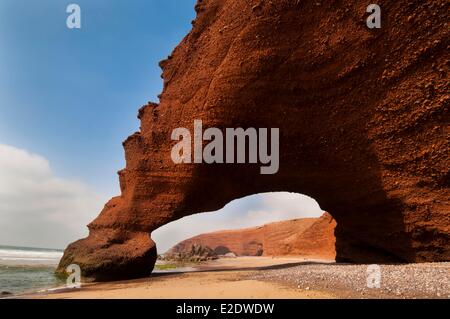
{"type": "Point", "coordinates": [37, 208]}
{"type": "Point", "coordinates": [247, 212]}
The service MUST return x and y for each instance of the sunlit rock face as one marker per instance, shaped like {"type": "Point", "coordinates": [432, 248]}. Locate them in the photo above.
{"type": "Point", "coordinates": [363, 118]}
{"type": "Point", "coordinates": [306, 237]}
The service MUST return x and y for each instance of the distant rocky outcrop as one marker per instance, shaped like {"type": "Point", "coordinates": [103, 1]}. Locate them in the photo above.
{"type": "Point", "coordinates": [195, 253]}
{"type": "Point", "coordinates": [309, 237]}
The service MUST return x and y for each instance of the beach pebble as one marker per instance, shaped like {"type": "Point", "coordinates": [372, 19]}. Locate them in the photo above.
{"type": "Point", "coordinates": [427, 280]}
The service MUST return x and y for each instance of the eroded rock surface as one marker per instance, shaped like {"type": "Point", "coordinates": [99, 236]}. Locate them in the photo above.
{"type": "Point", "coordinates": [363, 117]}
{"type": "Point", "coordinates": [192, 253]}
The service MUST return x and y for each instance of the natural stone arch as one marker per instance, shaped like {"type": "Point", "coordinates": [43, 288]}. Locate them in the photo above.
{"type": "Point", "coordinates": [222, 250]}
{"type": "Point", "coordinates": [361, 129]}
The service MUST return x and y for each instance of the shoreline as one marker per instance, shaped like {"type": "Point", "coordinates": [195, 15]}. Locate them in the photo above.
{"type": "Point", "coordinates": [269, 278]}
{"type": "Point", "coordinates": [216, 279]}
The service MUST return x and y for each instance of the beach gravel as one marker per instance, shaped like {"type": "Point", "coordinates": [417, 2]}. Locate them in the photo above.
{"type": "Point", "coordinates": [427, 280]}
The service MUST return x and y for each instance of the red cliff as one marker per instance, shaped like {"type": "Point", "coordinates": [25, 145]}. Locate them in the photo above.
{"type": "Point", "coordinates": [363, 118]}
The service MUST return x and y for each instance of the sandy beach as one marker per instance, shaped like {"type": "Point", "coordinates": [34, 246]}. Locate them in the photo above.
{"type": "Point", "coordinates": [271, 278]}
{"type": "Point", "coordinates": [224, 278]}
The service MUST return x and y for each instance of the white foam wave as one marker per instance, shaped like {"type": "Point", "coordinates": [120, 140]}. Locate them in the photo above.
{"type": "Point", "coordinates": [32, 256]}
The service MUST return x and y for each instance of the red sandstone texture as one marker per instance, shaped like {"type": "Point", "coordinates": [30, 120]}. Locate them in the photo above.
{"type": "Point", "coordinates": [363, 117]}
{"type": "Point", "coordinates": [308, 237]}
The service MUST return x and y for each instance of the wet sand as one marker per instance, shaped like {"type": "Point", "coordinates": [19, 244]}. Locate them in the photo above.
{"type": "Point", "coordinates": [224, 278]}
{"type": "Point", "coordinates": [273, 278]}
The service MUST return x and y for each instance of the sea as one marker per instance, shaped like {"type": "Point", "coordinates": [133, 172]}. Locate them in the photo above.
{"type": "Point", "coordinates": [31, 270]}
{"type": "Point", "coordinates": [24, 269]}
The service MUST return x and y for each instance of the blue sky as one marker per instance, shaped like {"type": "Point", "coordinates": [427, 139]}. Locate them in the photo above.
{"type": "Point", "coordinates": [73, 95]}
{"type": "Point", "coordinates": [69, 97]}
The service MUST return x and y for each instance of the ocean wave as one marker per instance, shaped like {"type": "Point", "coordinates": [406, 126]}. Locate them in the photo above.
{"type": "Point", "coordinates": [21, 256]}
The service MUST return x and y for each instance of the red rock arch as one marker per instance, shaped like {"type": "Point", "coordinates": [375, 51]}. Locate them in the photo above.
{"type": "Point", "coordinates": [362, 116]}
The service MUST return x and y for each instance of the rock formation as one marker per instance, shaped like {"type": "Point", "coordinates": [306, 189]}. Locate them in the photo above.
{"type": "Point", "coordinates": [363, 117]}
{"type": "Point", "coordinates": [196, 252]}
{"type": "Point", "coordinates": [308, 237]}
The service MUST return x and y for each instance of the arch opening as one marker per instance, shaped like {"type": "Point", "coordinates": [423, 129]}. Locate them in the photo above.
{"type": "Point", "coordinates": [271, 224]}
